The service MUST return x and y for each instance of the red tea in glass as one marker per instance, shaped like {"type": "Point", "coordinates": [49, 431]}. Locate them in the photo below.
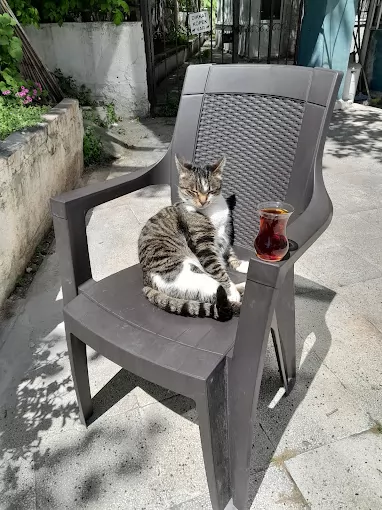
{"type": "Point", "coordinates": [271, 243]}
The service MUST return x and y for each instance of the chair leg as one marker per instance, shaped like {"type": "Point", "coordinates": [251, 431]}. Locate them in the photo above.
{"type": "Point", "coordinates": [244, 379]}
{"type": "Point", "coordinates": [212, 413]}
{"type": "Point", "coordinates": [286, 324]}
{"type": "Point", "coordinates": [279, 353]}
{"type": "Point", "coordinates": [79, 365]}
{"type": "Point", "coordinates": [241, 426]}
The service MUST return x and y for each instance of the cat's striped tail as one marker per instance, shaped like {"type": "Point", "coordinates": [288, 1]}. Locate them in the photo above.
{"type": "Point", "coordinates": [222, 310]}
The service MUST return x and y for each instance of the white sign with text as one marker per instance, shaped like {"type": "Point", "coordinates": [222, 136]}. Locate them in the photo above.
{"type": "Point", "coordinates": [199, 22]}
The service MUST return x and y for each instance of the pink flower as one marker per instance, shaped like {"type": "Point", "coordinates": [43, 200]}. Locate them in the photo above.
{"type": "Point", "coordinates": [27, 100]}
{"type": "Point", "coordinates": [34, 92]}
{"type": "Point", "coordinates": [6, 92]}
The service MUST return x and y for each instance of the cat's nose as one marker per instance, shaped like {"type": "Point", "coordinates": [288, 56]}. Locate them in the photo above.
{"type": "Point", "coordinates": [202, 199]}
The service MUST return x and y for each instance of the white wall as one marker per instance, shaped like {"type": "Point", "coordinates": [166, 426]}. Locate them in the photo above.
{"type": "Point", "coordinates": [108, 59]}
{"type": "Point", "coordinates": [35, 165]}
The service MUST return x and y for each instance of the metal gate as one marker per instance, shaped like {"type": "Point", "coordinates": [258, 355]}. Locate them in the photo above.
{"type": "Point", "coordinates": [238, 31]}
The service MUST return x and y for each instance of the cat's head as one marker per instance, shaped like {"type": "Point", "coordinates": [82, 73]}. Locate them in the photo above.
{"type": "Point", "coordinates": [199, 186]}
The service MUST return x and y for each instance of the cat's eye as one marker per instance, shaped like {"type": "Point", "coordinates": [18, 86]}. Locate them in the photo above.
{"type": "Point", "coordinates": [185, 190]}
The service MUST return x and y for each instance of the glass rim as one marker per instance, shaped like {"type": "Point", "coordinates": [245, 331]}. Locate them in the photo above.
{"type": "Point", "coordinates": [274, 204]}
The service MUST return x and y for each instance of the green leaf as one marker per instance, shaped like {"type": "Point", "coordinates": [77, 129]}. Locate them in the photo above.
{"type": "Point", "coordinates": [7, 31]}
{"type": "Point", "coordinates": [118, 17]}
{"type": "Point", "coordinates": [15, 49]}
{"type": "Point", "coordinates": [5, 19]}
{"type": "Point", "coordinates": [9, 80]}
{"type": "Point", "coordinates": [4, 40]}
{"type": "Point", "coordinates": [124, 6]}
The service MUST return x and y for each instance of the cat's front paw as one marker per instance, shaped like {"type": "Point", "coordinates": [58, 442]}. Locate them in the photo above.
{"type": "Point", "coordinates": [243, 267]}
{"type": "Point", "coordinates": [233, 294]}
{"type": "Point", "coordinates": [241, 288]}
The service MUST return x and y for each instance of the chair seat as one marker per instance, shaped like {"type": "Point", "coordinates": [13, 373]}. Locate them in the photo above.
{"type": "Point", "coordinates": [114, 317]}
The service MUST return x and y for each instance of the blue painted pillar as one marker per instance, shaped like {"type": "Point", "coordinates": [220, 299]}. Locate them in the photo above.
{"type": "Point", "coordinates": [327, 33]}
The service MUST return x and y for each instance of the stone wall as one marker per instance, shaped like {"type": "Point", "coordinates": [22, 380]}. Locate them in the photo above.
{"type": "Point", "coordinates": [35, 165]}
{"type": "Point", "coordinates": [110, 60]}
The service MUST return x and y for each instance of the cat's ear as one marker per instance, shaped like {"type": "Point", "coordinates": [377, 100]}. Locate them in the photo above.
{"type": "Point", "coordinates": [182, 165]}
{"type": "Point", "coordinates": [218, 167]}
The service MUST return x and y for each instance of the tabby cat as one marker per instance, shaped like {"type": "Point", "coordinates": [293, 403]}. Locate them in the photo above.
{"type": "Point", "coordinates": [184, 250]}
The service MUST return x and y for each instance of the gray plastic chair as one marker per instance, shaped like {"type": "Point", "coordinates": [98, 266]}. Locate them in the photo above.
{"type": "Point", "coordinates": [271, 123]}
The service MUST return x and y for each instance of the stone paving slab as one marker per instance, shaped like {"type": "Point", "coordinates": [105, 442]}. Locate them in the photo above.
{"type": "Point", "coordinates": [353, 352]}
{"type": "Point", "coordinates": [17, 483]}
{"type": "Point", "coordinates": [343, 475]}
{"type": "Point", "coordinates": [367, 300]}
{"type": "Point", "coordinates": [318, 411]}
{"type": "Point", "coordinates": [337, 266]}
{"type": "Point", "coordinates": [269, 490]}
{"type": "Point", "coordinates": [130, 463]}
{"type": "Point", "coordinates": [115, 246]}
{"type": "Point", "coordinates": [353, 194]}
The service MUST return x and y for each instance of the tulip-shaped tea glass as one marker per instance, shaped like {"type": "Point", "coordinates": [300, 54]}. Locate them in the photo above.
{"type": "Point", "coordinates": [271, 243]}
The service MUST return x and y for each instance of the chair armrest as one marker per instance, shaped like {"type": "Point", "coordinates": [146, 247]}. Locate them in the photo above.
{"type": "Point", "coordinates": [69, 211]}
{"type": "Point", "coordinates": [313, 222]}
{"type": "Point", "coordinates": [83, 199]}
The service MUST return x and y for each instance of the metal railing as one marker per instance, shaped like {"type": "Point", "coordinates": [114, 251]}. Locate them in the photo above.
{"type": "Point", "coordinates": [240, 31]}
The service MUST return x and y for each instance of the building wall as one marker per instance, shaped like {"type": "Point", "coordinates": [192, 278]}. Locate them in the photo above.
{"type": "Point", "coordinates": [110, 60]}
{"type": "Point", "coordinates": [35, 165]}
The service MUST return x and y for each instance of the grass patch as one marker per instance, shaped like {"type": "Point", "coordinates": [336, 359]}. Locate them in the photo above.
{"type": "Point", "coordinates": [376, 102]}
{"type": "Point", "coordinates": [15, 117]}
{"type": "Point", "coordinates": [111, 116]}
{"type": "Point", "coordinates": [70, 88]}
{"type": "Point", "coordinates": [93, 148]}
{"type": "Point", "coordinates": [169, 108]}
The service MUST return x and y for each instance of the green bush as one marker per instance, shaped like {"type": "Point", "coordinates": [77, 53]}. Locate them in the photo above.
{"type": "Point", "coordinates": [70, 88]}
{"type": "Point", "coordinates": [15, 116]}
{"type": "Point", "coordinates": [93, 149]}
{"type": "Point", "coordinates": [10, 54]}
{"type": "Point", "coordinates": [92, 115]}
{"type": "Point", "coordinates": [25, 12]}
{"type": "Point", "coordinates": [33, 12]}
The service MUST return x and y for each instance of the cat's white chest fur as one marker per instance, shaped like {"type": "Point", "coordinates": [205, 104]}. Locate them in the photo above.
{"type": "Point", "coordinates": [218, 213]}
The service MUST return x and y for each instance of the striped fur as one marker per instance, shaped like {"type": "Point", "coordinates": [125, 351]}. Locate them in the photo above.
{"type": "Point", "coordinates": [184, 249]}
{"type": "Point", "coordinates": [222, 310]}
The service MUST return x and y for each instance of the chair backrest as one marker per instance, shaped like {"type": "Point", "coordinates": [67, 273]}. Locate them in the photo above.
{"type": "Point", "coordinates": [269, 121]}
